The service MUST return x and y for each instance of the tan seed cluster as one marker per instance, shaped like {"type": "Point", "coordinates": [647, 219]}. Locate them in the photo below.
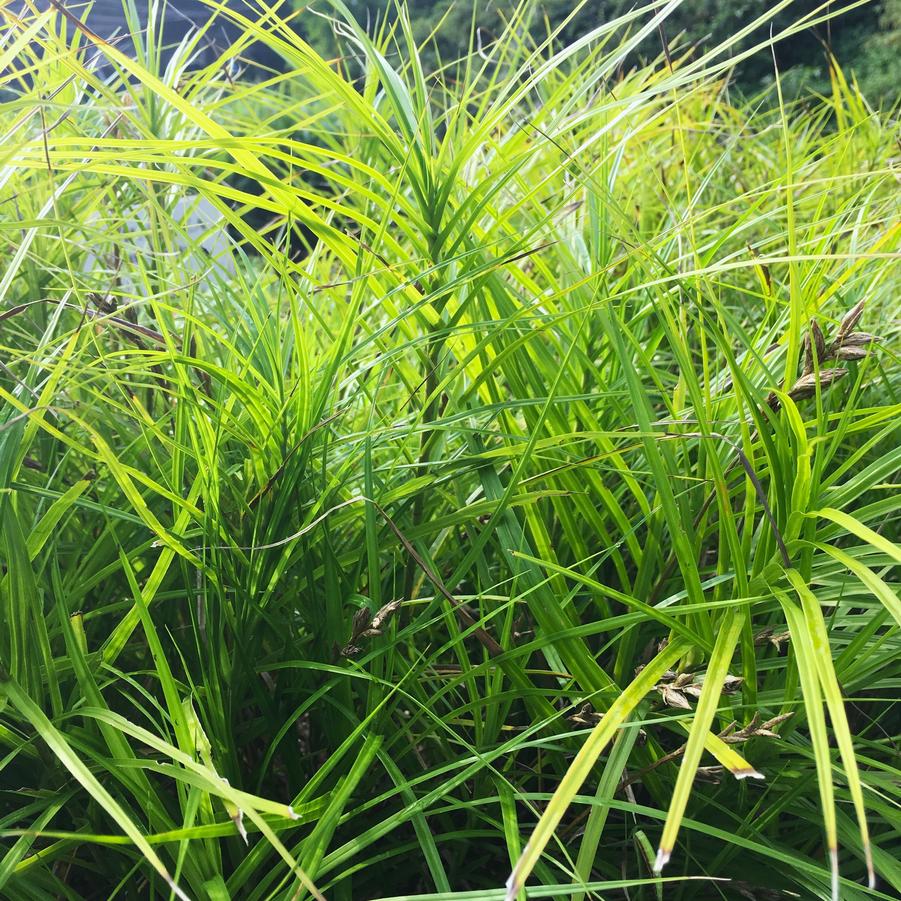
{"type": "Point", "coordinates": [847, 346]}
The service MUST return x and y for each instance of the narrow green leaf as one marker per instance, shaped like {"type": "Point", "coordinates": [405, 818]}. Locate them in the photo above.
{"type": "Point", "coordinates": [822, 652]}
{"type": "Point", "coordinates": [855, 527]}
{"type": "Point", "coordinates": [717, 669]}
{"type": "Point", "coordinates": [879, 588]}
{"type": "Point", "coordinates": [67, 757]}
{"type": "Point", "coordinates": [805, 656]}
{"type": "Point", "coordinates": [585, 760]}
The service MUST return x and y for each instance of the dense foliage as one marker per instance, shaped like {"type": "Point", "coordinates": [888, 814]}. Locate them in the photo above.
{"type": "Point", "coordinates": [866, 37]}
{"type": "Point", "coordinates": [520, 496]}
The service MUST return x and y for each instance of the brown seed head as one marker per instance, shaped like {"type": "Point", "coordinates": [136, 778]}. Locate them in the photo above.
{"type": "Point", "coordinates": [815, 352]}
{"type": "Point", "coordinates": [852, 317]}
{"type": "Point", "coordinates": [806, 386]}
{"type": "Point", "coordinates": [850, 353]}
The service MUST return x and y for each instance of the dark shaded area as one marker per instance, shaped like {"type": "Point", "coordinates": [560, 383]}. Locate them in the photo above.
{"type": "Point", "coordinates": [139, 27]}
{"type": "Point", "coordinates": [866, 39]}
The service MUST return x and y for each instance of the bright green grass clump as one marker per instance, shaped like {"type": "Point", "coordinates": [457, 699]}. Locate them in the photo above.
{"type": "Point", "coordinates": [526, 481]}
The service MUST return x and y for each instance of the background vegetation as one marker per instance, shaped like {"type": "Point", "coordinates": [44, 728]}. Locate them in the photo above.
{"type": "Point", "coordinates": [520, 497]}
{"type": "Point", "coordinates": [866, 38]}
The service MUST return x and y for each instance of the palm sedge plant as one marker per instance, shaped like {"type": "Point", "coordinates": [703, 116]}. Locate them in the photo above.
{"type": "Point", "coordinates": [511, 515]}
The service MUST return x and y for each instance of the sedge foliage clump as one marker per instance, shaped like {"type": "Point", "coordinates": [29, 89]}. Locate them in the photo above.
{"type": "Point", "coordinates": [468, 483]}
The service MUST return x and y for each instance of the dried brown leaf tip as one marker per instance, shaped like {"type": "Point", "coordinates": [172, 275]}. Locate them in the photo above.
{"type": "Point", "coordinates": [367, 626]}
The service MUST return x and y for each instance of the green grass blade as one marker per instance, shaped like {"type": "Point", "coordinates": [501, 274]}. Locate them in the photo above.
{"type": "Point", "coordinates": [717, 669]}
{"type": "Point", "coordinates": [585, 760]}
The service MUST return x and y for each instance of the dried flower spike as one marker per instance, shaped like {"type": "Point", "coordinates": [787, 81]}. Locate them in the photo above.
{"type": "Point", "coordinates": [815, 352]}
{"type": "Point", "coordinates": [586, 716]}
{"type": "Point", "coordinates": [860, 339]}
{"type": "Point", "coordinates": [673, 698]}
{"type": "Point", "coordinates": [846, 352]}
{"type": "Point", "coordinates": [753, 730]}
{"type": "Point", "coordinates": [769, 634]}
{"type": "Point", "coordinates": [806, 386]}
{"type": "Point", "coordinates": [385, 614]}
{"type": "Point", "coordinates": [851, 318]}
